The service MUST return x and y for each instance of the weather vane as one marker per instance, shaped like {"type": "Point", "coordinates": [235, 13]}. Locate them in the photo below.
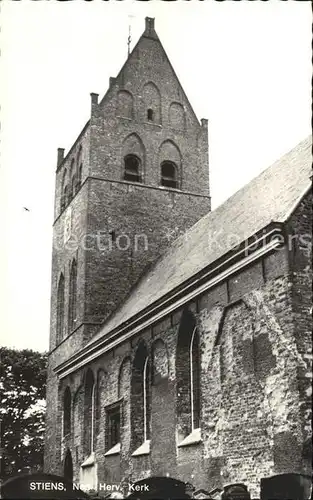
{"type": "Point", "coordinates": [129, 34]}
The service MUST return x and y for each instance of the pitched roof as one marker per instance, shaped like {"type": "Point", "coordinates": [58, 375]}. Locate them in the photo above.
{"type": "Point", "coordinates": [149, 32]}
{"type": "Point", "coordinates": [270, 197]}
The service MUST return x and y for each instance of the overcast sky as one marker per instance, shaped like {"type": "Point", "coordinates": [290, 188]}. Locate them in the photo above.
{"type": "Point", "coordinates": [244, 65]}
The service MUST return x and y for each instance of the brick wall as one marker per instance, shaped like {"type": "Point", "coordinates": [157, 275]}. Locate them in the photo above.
{"type": "Point", "coordinates": [254, 328]}
{"type": "Point", "coordinates": [137, 222]}
{"type": "Point", "coordinates": [251, 426]}
{"type": "Point", "coordinates": [143, 220]}
{"type": "Point", "coordinates": [301, 264]}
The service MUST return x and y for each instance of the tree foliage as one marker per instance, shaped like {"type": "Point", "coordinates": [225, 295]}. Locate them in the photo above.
{"type": "Point", "coordinates": [22, 394]}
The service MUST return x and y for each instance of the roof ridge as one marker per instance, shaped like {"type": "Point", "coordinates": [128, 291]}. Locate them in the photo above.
{"type": "Point", "coordinates": [241, 215]}
{"type": "Point", "coordinates": [306, 142]}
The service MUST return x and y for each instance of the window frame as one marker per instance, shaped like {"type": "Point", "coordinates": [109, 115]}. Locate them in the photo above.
{"type": "Point", "coordinates": [72, 303]}
{"type": "Point", "coordinates": [89, 411]}
{"type": "Point", "coordinates": [110, 411]}
{"type": "Point", "coordinates": [195, 391]}
{"type": "Point", "coordinates": [170, 182]}
{"type": "Point", "coordinates": [146, 379]}
{"type": "Point", "coordinates": [127, 171]}
{"type": "Point", "coordinates": [60, 309]}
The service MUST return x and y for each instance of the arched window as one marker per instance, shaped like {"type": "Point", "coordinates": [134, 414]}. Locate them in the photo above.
{"type": "Point", "coordinates": [62, 202]}
{"type": "Point", "coordinates": [72, 308]}
{"type": "Point", "coordinates": [188, 376]}
{"type": "Point", "coordinates": [177, 117]}
{"type": "Point", "coordinates": [146, 400]}
{"type": "Point", "coordinates": [151, 102]}
{"type": "Point", "coordinates": [71, 191]}
{"type": "Point", "coordinates": [63, 191]}
{"type": "Point", "coordinates": [79, 167]}
{"type": "Point", "coordinates": [150, 115]}
{"type": "Point", "coordinates": [132, 168]}
{"type": "Point", "coordinates": [141, 398]}
{"type": "Point", "coordinates": [194, 358]}
{"type": "Point", "coordinates": [89, 412]}
{"type": "Point", "coordinates": [125, 106]}
{"type": "Point", "coordinates": [60, 310]}
{"type": "Point", "coordinates": [67, 402]}
{"type": "Point", "coordinates": [79, 178]}
{"type": "Point", "coordinates": [68, 466]}
{"type": "Point", "coordinates": [65, 196]}
{"type": "Point", "coordinates": [100, 392]}
{"type": "Point", "coordinates": [73, 185]}
{"type": "Point", "coordinates": [169, 174]}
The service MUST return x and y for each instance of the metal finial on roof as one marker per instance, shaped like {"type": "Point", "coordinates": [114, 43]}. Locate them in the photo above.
{"type": "Point", "coordinates": [129, 39]}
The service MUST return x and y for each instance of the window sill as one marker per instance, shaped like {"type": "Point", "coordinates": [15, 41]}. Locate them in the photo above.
{"type": "Point", "coordinates": [193, 438]}
{"type": "Point", "coordinates": [89, 461]}
{"type": "Point", "coordinates": [170, 188]}
{"type": "Point", "coordinates": [153, 123]}
{"type": "Point", "coordinates": [143, 449]}
{"type": "Point", "coordinates": [115, 450]}
{"type": "Point", "coordinates": [125, 118]}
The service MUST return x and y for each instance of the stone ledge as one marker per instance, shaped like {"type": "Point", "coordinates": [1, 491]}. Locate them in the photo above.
{"type": "Point", "coordinates": [89, 461]}
{"type": "Point", "coordinates": [193, 438]}
{"type": "Point", "coordinates": [115, 450]}
{"type": "Point", "coordinates": [143, 449]}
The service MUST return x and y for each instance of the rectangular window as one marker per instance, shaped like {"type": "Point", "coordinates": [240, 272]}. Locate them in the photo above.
{"type": "Point", "coordinates": [113, 426]}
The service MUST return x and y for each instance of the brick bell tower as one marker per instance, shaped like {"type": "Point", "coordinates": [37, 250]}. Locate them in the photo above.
{"type": "Point", "coordinates": [136, 177]}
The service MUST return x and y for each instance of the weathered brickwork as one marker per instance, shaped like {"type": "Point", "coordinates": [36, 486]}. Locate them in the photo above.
{"type": "Point", "coordinates": [115, 229]}
{"type": "Point", "coordinates": [252, 328]}
{"type": "Point", "coordinates": [112, 227]}
{"type": "Point", "coordinates": [251, 426]}
{"type": "Point", "coordinates": [301, 262]}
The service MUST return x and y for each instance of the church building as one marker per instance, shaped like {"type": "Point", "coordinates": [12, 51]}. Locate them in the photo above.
{"type": "Point", "coordinates": [180, 342]}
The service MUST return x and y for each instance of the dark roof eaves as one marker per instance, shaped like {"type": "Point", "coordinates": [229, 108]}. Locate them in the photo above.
{"type": "Point", "coordinates": [197, 277]}
{"type": "Point", "coordinates": [194, 281]}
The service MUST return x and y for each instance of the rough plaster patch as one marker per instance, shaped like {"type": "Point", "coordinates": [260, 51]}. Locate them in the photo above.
{"type": "Point", "coordinates": [256, 300]}
{"type": "Point", "coordinates": [209, 326]}
{"type": "Point", "coordinates": [280, 403]}
{"type": "Point", "coordinates": [276, 392]}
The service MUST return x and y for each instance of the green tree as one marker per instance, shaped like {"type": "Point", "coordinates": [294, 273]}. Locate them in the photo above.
{"type": "Point", "coordinates": [22, 394]}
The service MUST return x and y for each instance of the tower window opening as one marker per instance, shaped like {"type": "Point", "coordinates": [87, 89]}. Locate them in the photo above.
{"type": "Point", "coordinates": [132, 168]}
{"type": "Point", "coordinates": [72, 311]}
{"type": "Point", "coordinates": [169, 174]}
{"type": "Point", "coordinates": [79, 178]}
{"type": "Point", "coordinates": [65, 196]}
{"type": "Point", "coordinates": [60, 310]}
{"type": "Point", "coordinates": [150, 115]}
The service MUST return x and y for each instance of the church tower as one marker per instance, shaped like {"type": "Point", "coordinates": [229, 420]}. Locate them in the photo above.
{"type": "Point", "coordinates": [136, 177]}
